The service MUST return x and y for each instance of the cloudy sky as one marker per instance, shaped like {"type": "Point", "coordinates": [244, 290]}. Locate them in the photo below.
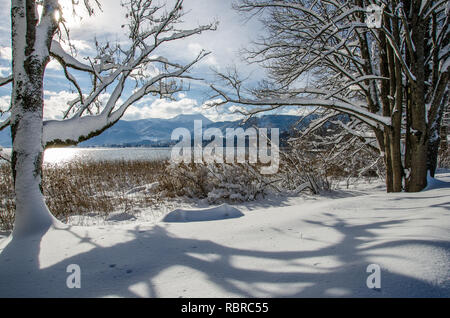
{"type": "Point", "coordinates": [234, 33]}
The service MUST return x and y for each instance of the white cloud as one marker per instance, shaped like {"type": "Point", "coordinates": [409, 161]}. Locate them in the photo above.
{"type": "Point", "coordinates": [5, 71]}
{"type": "Point", "coordinates": [78, 45]}
{"type": "Point", "coordinates": [232, 34]}
{"type": "Point", "coordinates": [5, 102]}
{"type": "Point", "coordinates": [108, 20]}
{"type": "Point", "coordinates": [195, 49]}
{"type": "Point", "coordinates": [55, 103]}
{"type": "Point", "coordinates": [5, 53]}
{"type": "Point", "coordinates": [221, 113]}
{"type": "Point", "coordinates": [54, 65]}
{"type": "Point", "coordinates": [145, 72]}
{"type": "Point", "coordinates": [162, 108]}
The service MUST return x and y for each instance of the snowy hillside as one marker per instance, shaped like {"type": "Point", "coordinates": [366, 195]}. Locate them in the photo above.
{"type": "Point", "coordinates": [152, 130]}
{"type": "Point", "coordinates": [279, 247]}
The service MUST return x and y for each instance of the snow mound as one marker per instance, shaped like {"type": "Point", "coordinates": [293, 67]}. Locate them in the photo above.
{"type": "Point", "coordinates": [433, 183]}
{"type": "Point", "coordinates": [221, 212]}
{"type": "Point", "coordinates": [120, 216]}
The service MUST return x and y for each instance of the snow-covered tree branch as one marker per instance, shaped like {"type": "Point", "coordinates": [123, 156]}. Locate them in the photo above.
{"type": "Point", "coordinates": [392, 76]}
{"type": "Point", "coordinates": [5, 80]}
{"type": "Point", "coordinates": [113, 70]}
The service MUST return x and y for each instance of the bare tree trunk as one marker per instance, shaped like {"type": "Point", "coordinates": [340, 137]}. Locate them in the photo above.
{"type": "Point", "coordinates": [417, 180]}
{"type": "Point", "coordinates": [397, 168]}
{"type": "Point", "coordinates": [390, 68]}
{"type": "Point", "coordinates": [396, 111]}
{"type": "Point", "coordinates": [417, 134]}
{"type": "Point", "coordinates": [388, 163]}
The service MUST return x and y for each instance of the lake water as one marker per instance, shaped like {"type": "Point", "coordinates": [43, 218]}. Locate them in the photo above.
{"type": "Point", "coordinates": [65, 155]}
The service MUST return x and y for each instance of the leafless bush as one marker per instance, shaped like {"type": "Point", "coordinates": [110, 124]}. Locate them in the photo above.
{"type": "Point", "coordinates": [215, 182]}
{"type": "Point", "coordinates": [7, 204]}
{"type": "Point", "coordinates": [444, 158]}
{"type": "Point", "coordinates": [79, 188]}
{"type": "Point", "coordinates": [320, 160]}
{"type": "Point", "coordinates": [100, 188]}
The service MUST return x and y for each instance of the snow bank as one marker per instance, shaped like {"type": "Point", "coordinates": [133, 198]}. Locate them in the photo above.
{"type": "Point", "coordinates": [221, 212]}
{"type": "Point", "coordinates": [316, 248]}
{"type": "Point", "coordinates": [433, 183]}
{"type": "Point", "coordinates": [120, 216]}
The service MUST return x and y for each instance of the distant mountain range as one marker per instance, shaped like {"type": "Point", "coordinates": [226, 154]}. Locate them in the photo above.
{"type": "Point", "coordinates": [156, 132]}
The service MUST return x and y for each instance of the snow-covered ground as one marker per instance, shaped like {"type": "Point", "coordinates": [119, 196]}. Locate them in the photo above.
{"type": "Point", "coordinates": [278, 247]}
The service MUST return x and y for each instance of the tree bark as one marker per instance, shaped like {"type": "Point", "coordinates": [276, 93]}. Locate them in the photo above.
{"type": "Point", "coordinates": [390, 68]}
{"type": "Point", "coordinates": [32, 214]}
{"type": "Point", "coordinates": [418, 132]}
{"type": "Point", "coordinates": [388, 163]}
{"type": "Point", "coordinates": [434, 143]}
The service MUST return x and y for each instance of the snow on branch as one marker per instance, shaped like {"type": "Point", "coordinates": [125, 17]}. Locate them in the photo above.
{"type": "Point", "coordinates": [327, 42]}
{"type": "Point", "coordinates": [116, 65]}
{"type": "Point", "coordinates": [268, 104]}
{"type": "Point", "coordinates": [4, 156]}
{"type": "Point", "coordinates": [6, 80]}
{"type": "Point", "coordinates": [68, 60]}
{"type": "Point", "coordinates": [317, 123]}
{"type": "Point", "coordinates": [4, 124]}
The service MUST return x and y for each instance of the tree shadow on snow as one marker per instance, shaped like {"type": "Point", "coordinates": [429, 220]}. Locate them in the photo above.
{"type": "Point", "coordinates": [150, 254]}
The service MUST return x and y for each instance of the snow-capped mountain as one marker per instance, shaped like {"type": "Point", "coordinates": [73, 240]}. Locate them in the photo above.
{"type": "Point", "coordinates": [157, 131]}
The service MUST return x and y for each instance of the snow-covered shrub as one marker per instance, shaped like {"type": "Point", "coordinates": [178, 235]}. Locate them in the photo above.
{"type": "Point", "coordinates": [214, 182]}
{"type": "Point", "coordinates": [319, 160]}
{"type": "Point", "coordinates": [300, 173]}
{"type": "Point", "coordinates": [238, 182]}
{"type": "Point", "coordinates": [189, 180]}
{"type": "Point", "coordinates": [6, 197]}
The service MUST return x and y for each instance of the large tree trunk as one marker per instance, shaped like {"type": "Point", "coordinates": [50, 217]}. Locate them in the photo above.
{"type": "Point", "coordinates": [417, 131]}
{"type": "Point", "coordinates": [396, 116]}
{"type": "Point", "coordinates": [426, 95]}
{"type": "Point", "coordinates": [417, 179]}
{"type": "Point", "coordinates": [391, 136]}
{"type": "Point", "coordinates": [32, 214]}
